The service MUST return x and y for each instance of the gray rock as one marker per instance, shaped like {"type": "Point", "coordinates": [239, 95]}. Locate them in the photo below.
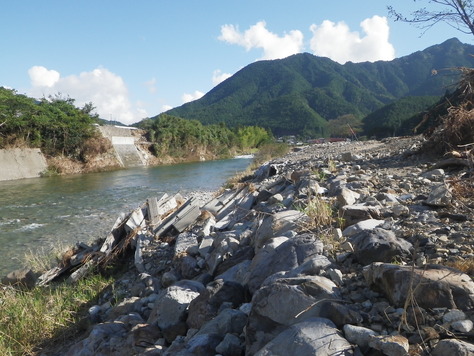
{"type": "Point", "coordinates": [206, 305]}
{"type": "Point", "coordinates": [237, 273]}
{"type": "Point", "coordinates": [284, 302]}
{"type": "Point", "coordinates": [184, 241]}
{"type": "Point", "coordinates": [222, 248]}
{"type": "Point", "coordinates": [228, 321]}
{"type": "Point", "coordinates": [432, 287]}
{"type": "Point", "coordinates": [353, 214]}
{"type": "Point", "coordinates": [339, 314]}
{"type": "Point", "coordinates": [169, 311]}
{"type": "Point", "coordinates": [463, 326]}
{"type": "Point", "coordinates": [288, 255]}
{"type": "Point", "coordinates": [368, 224]}
{"type": "Point", "coordinates": [378, 245]}
{"type": "Point", "coordinates": [453, 347]}
{"type": "Point", "coordinates": [277, 224]}
{"type": "Point", "coordinates": [390, 345]}
{"type": "Point", "coordinates": [316, 336]}
{"type": "Point", "coordinates": [440, 196]}
{"type": "Point", "coordinates": [358, 335]}
{"type": "Point", "coordinates": [347, 197]}
{"type": "Point", "coordinates": [454, 315]}
{"type": "Point", "coordinates": [231, 345]}
{"type": "Point", "coordinates": [104, 339]}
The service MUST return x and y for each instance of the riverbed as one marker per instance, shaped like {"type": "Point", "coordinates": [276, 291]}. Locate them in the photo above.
{"type": "Point", "coordinates": [39, 214]}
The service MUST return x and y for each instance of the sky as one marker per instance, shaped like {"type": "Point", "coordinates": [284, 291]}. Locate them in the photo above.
{"type": "Point", "coordinates": [137, 59]}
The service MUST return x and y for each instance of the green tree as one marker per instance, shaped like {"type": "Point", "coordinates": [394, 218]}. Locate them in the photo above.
{"type": "Point", "coordinates": [344, 126]}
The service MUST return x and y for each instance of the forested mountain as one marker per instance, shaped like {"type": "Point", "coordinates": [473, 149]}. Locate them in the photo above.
{"type": "Point", "coordinates": [299, 94]}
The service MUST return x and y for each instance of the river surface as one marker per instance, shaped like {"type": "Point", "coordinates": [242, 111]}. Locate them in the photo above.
{"type": "Point", "coordinates": [40, 213]}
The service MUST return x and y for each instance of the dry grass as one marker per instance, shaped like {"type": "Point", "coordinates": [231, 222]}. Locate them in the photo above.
{"type": "Point", "coordinates": [465, 265]}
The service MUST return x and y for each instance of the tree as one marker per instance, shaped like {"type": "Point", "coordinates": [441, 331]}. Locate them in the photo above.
{"type": "Point", "coordinates": [456, 13]}
{"type": "Point", "coordinates": [344, 126]}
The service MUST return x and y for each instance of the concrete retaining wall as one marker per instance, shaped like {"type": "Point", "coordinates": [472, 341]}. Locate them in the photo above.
{"type": "Point", "coordinates": [21, 163]}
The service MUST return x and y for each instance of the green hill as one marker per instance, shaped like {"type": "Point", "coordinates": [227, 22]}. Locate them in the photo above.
{"type": "Point", "coordinates": [299, 94]}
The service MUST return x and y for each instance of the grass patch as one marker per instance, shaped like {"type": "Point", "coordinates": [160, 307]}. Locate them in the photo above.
{"type": "Point", "coordinates": [269, 151]}
{"type": "Point", "coordinates": [34, 320]}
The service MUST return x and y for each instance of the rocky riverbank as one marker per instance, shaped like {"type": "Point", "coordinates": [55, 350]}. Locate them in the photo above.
{"type": "Point", "coordinates": [335, 249]}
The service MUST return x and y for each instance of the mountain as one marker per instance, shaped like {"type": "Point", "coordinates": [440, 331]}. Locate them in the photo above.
{"type": "Point", "coordinates": [300, 93]}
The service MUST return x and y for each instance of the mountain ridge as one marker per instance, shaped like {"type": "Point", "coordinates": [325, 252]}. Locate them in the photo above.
{"type": "Point", "coordinates": [299, 94]}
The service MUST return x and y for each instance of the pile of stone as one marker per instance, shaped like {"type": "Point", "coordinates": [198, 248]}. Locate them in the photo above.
{"type": "Point", "coordinates": [259, 273]}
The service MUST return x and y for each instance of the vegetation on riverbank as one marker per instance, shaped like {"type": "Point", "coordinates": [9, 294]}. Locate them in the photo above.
{"type": "Point", "coordinates": [34, 320]}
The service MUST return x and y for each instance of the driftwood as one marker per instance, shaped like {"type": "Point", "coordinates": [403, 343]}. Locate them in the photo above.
{"type": "Point", "coordinates": [157, 216]}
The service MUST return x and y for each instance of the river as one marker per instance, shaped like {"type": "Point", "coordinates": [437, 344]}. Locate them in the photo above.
{"type": "Point", "coordinates": [40, 213]}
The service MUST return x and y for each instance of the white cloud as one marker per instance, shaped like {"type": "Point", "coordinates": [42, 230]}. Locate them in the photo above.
{"type": "Point", "coordinates": [336, 41]}
{"type": "Point", "coordinates": [190, 97]}
{"type": "Point", "coordinates": [218, 77]}
{"type": "Point", "coordinates": [106, 90]}
{"type": "Point", "coordinates": [42, 77]}
{"type": "Point", "coordinates": [257, 36]}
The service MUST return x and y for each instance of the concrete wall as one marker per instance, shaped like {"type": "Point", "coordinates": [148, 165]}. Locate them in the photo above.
{"type": "Point", "coordinates": [124, 142]}
{"type": "Point", "coordinates": [21, 163]}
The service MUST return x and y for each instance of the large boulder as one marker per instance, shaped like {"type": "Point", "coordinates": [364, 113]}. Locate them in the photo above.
{"type": "Point", "coordinates": [283, 303]}
{"type": "Point", "coordinates": [290, 254]}
{"type": "Point", "coordinates": [432, 286]}
{"type": "Point", "coordinates": [206, 305]}
{"type": "Point", "coordinates": [316, 336]}
{"type": "Point", "coordinates": [378, 245]}
{"type": "Point", "coordinates": [170, 309]}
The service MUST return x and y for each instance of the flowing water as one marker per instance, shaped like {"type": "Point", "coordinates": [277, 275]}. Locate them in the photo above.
{"type": "Point", "coordinates": [37, 214]}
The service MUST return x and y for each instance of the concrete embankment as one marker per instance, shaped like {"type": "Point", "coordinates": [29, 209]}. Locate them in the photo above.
{"type": "Point", "coordinates": [19, 163]}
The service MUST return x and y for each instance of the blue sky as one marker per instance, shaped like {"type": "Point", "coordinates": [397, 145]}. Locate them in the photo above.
{"type": "Point", "coordinates": [135, 59]}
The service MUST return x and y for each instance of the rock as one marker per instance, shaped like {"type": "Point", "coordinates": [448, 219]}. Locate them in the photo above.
{"type": "Point", "coordinates": [378, 245]}
{"type": "Point", "coordinates": [368, 224]}
{"type": "Point", "coordinates": [358, 335]}
{"type": "Point", "coordinates": [347, 197]}
{"type": "Point", "coordinates": [390, 345]}
{"type": "Point", "coordinates": [170, 310]}
{"type": "Point", "coordinates": [231, 345]}
{"type": "Point", "coordinates": [316, 336]}
{"type": "Point", "coordinates": [284, 302]}
{"type": "Point", "coordinates": [440, 196]}
{"type": "Point", "coordinates": [433, 287]}
{"type": "Point", "coordinates": [21, 278]}
{"type": "Point", "coordinates": [206, 306]}
{"type": "Point", "coordinates": [277, 224]}
{"type": "Point", "coordinates": [143, 335]}
{"type": "Point", "coordinates": [454, 315]}
{"type": "Point", "coordinates": [184, 241]}
{"type": "Point", "coordinates": [453, 347]}
{"type": "Point", "coordinates": [104, 339]}
{"type": "Point", "coordinates": [223, 247]}
{"type": "Point", "coordinates": [339, 314]}
{"type": "Point", "coordinates": [285, 257]}
{"type": "Point", "coordinates": [434, 175]}
{"type": "Point", "coordinates": [353, 214]}
{"type": "Point", "coordinates": [463, 326]}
